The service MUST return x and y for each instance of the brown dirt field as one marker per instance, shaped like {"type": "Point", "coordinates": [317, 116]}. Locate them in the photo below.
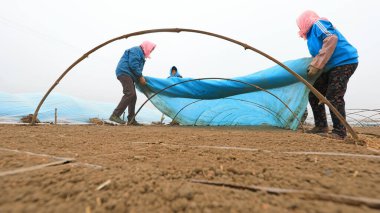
{"type": "Point", "coordinates": [151, 168]}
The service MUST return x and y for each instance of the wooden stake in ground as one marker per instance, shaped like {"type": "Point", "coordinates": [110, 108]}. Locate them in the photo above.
{"type": "Point", "coordinates": [55, 116]}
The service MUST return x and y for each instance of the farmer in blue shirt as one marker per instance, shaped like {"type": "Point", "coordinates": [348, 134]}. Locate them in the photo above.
{"type": "Point", "coordinates": [334, 61]}
{"type": "Point", "coordinates": [128, 72]}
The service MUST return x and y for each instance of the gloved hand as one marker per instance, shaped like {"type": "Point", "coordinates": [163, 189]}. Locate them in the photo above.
{"type": "Point", "coordinates": [142, 80]}
{"type": "Point", "coordinates": [313, 72]}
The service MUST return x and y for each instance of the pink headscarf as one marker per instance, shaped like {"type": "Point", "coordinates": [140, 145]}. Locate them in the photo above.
{"type": "Point", "coordinates": [147, 48]}
{"type": "Point", "coordinates": [305, 21]}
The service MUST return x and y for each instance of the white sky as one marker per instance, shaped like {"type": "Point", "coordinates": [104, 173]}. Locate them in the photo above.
{"type": "Point", "coordinates": [39, 39]}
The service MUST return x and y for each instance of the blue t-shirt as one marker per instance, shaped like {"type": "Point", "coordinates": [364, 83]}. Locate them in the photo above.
{"type": "Point", "coordinates": [344, 52]}
{"type": "Point", "coordinates": [131, 63]}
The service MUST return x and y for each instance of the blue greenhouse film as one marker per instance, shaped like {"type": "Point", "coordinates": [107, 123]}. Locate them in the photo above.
{"type": "Point", "coordinates": [259, 108]}
{"type": "Point", "coordinates": [273, 77]}
{"type": "Point", "coordinates": [70, 109]}
{"type": "Point", "coordinates": [223, 102]}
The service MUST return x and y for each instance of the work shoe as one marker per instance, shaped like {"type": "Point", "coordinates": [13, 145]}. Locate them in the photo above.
{"type": "Point", "coordinates": [116, 119]}
{"type": "Point", "coordinates": [333, 136]}
{"type": "Point", "coordinates": [174, 123]}
{"type": "Point", "coordinates": [134, 123]}
{"type": "Point", "coordinates": [317, 130]}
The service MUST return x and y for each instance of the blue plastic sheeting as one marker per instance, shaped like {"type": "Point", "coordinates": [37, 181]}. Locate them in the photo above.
{"type": "Point", "coordinates": [70, 109]}
{"type": "Point", "coordinates": [226, 103]}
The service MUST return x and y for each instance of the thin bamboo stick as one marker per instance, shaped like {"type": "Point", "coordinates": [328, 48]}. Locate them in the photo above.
{"type": "Point", "coordinates": [305, 194]}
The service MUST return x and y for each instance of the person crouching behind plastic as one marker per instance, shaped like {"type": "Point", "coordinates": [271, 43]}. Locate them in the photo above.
{"type": "Point", "coordinates": [174, 73]}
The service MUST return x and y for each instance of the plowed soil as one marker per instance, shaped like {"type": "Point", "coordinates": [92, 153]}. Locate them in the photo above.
{"type": "Point", "coordinates": [153, 169]}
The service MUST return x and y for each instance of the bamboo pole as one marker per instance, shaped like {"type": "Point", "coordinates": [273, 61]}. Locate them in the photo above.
{"type": "Point", "coordinates": [177, 30]}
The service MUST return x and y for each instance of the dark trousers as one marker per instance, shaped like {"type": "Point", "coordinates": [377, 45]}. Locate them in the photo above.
{"type": "Point", "coordinates": [333, 86]}
{"type": "Point", "coordinates": [129, 98]}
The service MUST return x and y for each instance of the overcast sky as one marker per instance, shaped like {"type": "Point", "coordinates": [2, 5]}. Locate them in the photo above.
{"type": "Point", "coordinates": [39, 39]}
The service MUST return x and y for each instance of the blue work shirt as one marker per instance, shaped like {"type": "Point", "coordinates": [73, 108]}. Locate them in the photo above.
{"type": "Point", "coordinates": [131, 63]}
{"type": "Point", "coordinates": [344, 52]}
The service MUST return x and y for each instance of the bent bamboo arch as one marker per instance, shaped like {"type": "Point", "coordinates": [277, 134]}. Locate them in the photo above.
{"type": "Point", "coordinates": [178, 30]}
